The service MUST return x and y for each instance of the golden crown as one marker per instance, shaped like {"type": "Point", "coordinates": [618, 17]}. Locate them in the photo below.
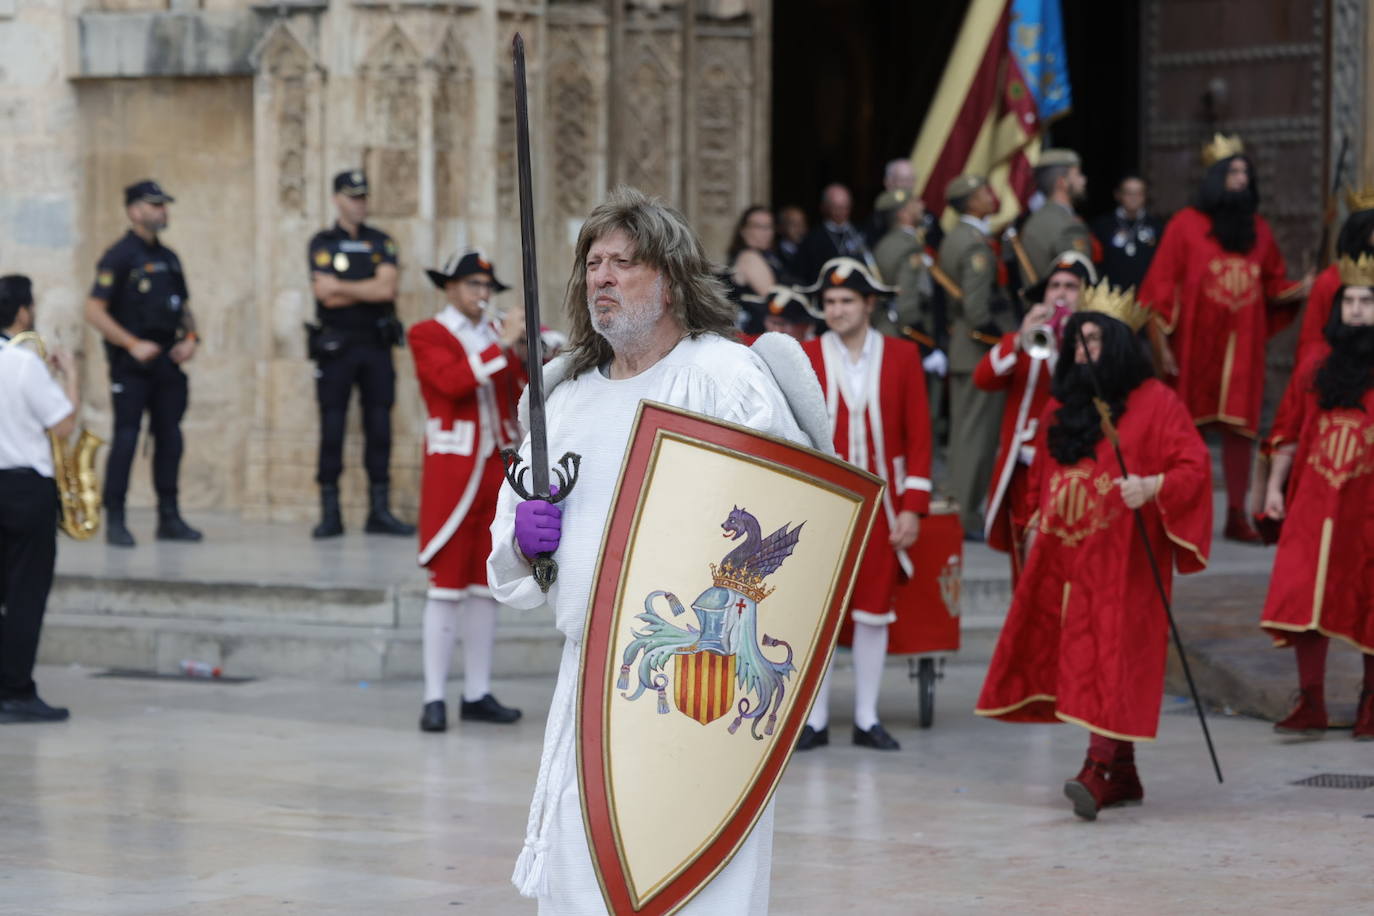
{"type": "Point", "coordinates": [1363, 199]}
{"type": "Point", "coordinates": [1115, 303]}
{"type": "Point", "coordinates": [1221, 147]}
{"type": "Point", "coordinates": [1357, 272]}
{"type": "Point", "coordinates": [747, 584]}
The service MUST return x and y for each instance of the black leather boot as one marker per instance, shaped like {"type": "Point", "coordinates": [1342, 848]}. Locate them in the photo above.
{"type": "Point", "coordinates": [171, 526]}
{"type": "Point", "coordinates": [115, 532]}
{"type": "Point", "coordinates": [379, 517]}
{"type": "Point", "coordinates": [331, 520]}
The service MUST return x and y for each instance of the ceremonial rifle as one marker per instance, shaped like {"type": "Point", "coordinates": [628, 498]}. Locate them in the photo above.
{"type": "Point", "coordinates": [543, 565]}
{"type": "Point", "coordinates": [1109, 429]}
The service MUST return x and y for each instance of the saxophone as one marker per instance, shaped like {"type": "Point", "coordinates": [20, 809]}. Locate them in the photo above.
{"type": "Point", "coordinates": [78, 490]}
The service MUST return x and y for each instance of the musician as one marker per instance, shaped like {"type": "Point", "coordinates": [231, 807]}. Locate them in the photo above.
{"type": "Point", "coordinates": [471, 374]}
{"type": "Point", "coordinates": [141, 306]}
{"type": "Point", "coordinates": [354, 277]}
{"type": "Point", "coordinates": [36, 404]}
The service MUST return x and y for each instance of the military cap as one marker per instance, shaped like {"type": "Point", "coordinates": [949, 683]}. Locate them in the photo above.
{"type": "Point", "coordinates": [465, 263]}
{"type": "Point", "coordinates": [147, 190]}
{"type": "Point", "coordinates": [1074, 262]}
{"type": "Point", "coordinates": [963, 186]}
{"type": "Point", "coordinates": [1057, 156]}
{"type": "Point", "coordinates": [783, 302]}
{"type": "Point", "coordinates": [893, 200]}
{"type": "Point", "coordinates": [849, 274]}
{"type": "Point", "coordinates": [351, 183]}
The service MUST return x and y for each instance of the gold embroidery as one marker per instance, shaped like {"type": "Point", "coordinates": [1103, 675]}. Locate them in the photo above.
{"type": "Point", "coordinates": [1233, 282]}
{"type": "Point", "coordinates": [1342, 450]}
{"type": "Point", "coordinates": [1077, 507]}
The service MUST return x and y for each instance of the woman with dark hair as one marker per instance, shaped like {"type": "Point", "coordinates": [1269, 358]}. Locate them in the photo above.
{"type": "Point", "coordinates": [1356, 238]}
{"type": "Point", "coordinates": [754, 264]}
{"type": "Point", "coordinates": [1086, 639]}
{"type": "Point", "coordinates": [1321, 483]}
{"type": "Point", "coordinates": [1216, 275]}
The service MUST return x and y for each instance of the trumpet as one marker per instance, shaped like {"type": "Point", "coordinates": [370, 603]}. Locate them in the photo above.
{"type": "Point", "coordinates": [1040, 341]}
{"type": "Point", "coordinates": [78, 490]}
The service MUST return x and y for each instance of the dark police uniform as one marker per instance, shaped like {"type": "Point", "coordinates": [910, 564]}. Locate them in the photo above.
{"type": "Point", "coordinates": [146, 292]}
{"type": "Point", "coordinates": [1128, 245]}
{"type": "Point", "coordinates": [351, 345]}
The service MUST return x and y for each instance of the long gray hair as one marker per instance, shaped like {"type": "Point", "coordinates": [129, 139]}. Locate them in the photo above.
{"type": "Point", "coordinates": [663, 240]}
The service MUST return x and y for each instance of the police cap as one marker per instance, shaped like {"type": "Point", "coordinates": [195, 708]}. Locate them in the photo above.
{"type": "Point", "coordinates": [148, 191]}
{"type": "Point", "coordinates": [351, 183]}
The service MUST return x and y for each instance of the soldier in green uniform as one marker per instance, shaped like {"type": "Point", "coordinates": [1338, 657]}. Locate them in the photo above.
{"type": "Point", "coordinates": [979, 314]}
{"type": "Point", "coordinates": [1055, 227]}
{"type": "Point", "coordinates": [903, 211]}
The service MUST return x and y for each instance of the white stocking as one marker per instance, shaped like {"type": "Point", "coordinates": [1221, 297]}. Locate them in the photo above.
{"type": "Point", "coordinates": [820, 711]}
{"type": "Point", "coordinates": [870, 654]}
{"type": "Point", "coordinates": [440, 633]}
{"type": "Point", "coordinates": [479, 635]}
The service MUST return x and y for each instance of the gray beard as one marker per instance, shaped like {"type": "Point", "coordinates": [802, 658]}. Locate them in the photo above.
{"type": "Point", "coordinates": [632, 323]}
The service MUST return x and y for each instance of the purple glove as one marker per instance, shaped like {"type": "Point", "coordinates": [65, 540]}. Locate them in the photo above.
{"type": "Point", "coordinates": [538, 527]}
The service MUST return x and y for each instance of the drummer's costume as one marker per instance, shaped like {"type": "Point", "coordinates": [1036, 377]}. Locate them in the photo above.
{"type": "Point", "coordinates": [1323, 579]}
{"type": "Point", "coordinates": [470, 384]}
{"type": "Point", "coordinates": [1085, 640]}
{"type": "Point", "coordinates": [880, 421]}
{"type": "Point", "coordinates": [593, 415]}
{"type": "Point", "coordinates": [1026, 380]}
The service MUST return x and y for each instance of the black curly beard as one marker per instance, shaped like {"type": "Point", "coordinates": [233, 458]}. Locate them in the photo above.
{"type": "Point", "coordinates": [1077, 425]}
{"type": "Point", "coordinates": [1233, 221]}
{"type": "Point", "coordinates": [1348, 372]}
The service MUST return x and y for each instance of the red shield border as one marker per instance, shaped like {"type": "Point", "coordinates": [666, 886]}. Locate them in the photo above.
{"type": "Point", "coordinates": [654, 422]}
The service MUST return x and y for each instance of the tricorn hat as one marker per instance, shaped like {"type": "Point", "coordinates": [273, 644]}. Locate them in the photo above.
{"type": "Point", "coordinates": [849, 274]}
{"type": "Point", "coordinates": [785, 303]}
{"type": "Point", "coordinates": [465, 263]}
{"type": "Point", "coordinates": [1075, 262]}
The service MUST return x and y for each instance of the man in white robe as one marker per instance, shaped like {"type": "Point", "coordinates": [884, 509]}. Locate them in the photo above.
{"type": "Point", "coordinates": [648, 322]}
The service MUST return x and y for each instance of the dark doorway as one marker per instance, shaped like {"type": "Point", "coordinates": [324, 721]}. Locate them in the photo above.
{"type": "Point", "coordinates": [852, 80]}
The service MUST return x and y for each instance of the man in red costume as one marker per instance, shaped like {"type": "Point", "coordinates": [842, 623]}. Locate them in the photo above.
{"type": "Point", "coordinates": [875, 393]}
{"type": "Point", "coordinates": [1356, 238]}
{"type": "Point", "coordinates": [1215, 274]}
{"type": "Point", "coordinates": [1026, 379]}
{"type": "Point", "coordinates": [1323, 450]}
{"type": "Point", "coordinates": [470, 377]}
{"type": "Point", "coordinates": [1086, 637]}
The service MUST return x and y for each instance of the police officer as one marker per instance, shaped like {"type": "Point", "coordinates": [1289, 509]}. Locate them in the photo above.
{"type": "Point", "coordinates": [354, 278]}
{"type": "Point", "coordinates": [139, 304]}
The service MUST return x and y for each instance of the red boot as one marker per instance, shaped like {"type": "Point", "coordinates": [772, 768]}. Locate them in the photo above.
{"type": "Point", "coordinates": [1364, 722]}
{"type": "Point", "coordinates": [1238, 528]}
{"type": "Point", "coordinates": [1307, 718]}
{"type": "Point", "coordinates": [1123, 785]}
{"type": "Point", "coordinates": [1089, 790]}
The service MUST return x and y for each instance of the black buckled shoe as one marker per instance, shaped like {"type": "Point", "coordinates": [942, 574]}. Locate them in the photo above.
{"type": "Point", "coordinates": [31, 710]}
{"type": "Point", "coordinates": [435, 717]}
{"type": "Point", "coordinates": [116, 534]}
{"type": "Point", "coordinates": [876, 738]}
{"type": "Point", "coordinates": [488, 709]}
{"type": "Point", "coordinates": [810, 738]}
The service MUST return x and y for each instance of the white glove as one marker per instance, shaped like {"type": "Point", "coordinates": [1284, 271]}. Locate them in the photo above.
{"type": "Point", "coordinates": [936, 363]}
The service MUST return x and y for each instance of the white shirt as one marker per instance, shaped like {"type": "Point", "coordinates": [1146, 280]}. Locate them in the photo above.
{"type": "Point", "coordinates": [32, 402]}
{"type": "Point", "coordinates": [593, 415]}
{"type": "Point", "coordinates": [981, 225]}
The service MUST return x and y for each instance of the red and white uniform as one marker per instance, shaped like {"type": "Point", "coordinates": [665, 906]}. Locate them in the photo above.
{"type": "Point", "coordinates": [1027, 383]}
{"type": "Point", "coordinates": [471, 386]}
{"type": "Point", "coordinates": [880, 422]}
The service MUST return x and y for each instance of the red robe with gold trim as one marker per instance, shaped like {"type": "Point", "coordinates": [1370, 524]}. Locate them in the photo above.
{"type": "Point", "coordinates": [470, 385]}
{"type": "Point", "coordinates": [1215, 307]}
{"type": "Point", "coordinates": [1312, 337]}
{"type": "Point", "coordinates": [1027, 383]}
{"type": "Point", "coordinates": [884, 429]}
{"type": "Point", "coordinates": [1086, 638]}
{"type": "Point", "coordinates": [1323, 575]}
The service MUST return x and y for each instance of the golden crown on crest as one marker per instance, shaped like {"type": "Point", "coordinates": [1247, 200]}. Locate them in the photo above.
{"type": "Point", "coordinates": [1222, 146]}
{"type": "Point", "coordinates": [1116, 303]}
{"type": "Point", "coordinates": [1363, 199]}
{"type": "Point", "coordinates": [1357, 272]}
{"type": "Point", "coordinates": [747, 584]}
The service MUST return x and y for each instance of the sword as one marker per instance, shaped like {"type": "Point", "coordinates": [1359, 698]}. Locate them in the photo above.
{"type": "Point", "coordinates": [1108, 428]}
{"type": "Point", "coordinates": [544, 567]}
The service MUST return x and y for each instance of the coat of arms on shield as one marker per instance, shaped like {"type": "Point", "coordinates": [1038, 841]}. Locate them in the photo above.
{"type": "Point", "coordinates": [688, 710]}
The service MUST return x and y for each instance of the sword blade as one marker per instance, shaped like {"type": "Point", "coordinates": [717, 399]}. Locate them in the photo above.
{"type": "Point", "coordinates": [534, 356]}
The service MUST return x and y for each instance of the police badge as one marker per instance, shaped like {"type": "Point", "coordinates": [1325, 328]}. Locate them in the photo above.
{"type": "Point", "coordinates": [689, 712]}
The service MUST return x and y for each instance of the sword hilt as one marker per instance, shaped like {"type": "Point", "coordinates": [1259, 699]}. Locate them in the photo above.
{"type": "Point", "coordinates": [543, 565]}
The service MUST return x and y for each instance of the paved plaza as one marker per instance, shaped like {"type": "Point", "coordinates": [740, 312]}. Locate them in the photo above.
{"type": "Point", "coordinates": [282, 796]}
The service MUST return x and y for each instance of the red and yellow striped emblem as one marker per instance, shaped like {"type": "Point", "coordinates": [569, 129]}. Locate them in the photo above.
{"type": "Point", "coordinates": [705, 685]}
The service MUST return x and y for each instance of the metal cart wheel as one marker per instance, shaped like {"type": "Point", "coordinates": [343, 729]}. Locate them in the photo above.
{"type": "Point", "coordinates": [925, 690]}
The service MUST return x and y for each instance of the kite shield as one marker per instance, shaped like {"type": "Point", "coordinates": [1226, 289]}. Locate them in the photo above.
{"type": "Point", "coordinates": [726, 565]}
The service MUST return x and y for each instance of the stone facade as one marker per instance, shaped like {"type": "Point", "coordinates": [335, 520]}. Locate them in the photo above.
{"type": "Point", "coordinates": [244, 112]}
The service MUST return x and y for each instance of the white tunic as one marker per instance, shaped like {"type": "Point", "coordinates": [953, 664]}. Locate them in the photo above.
{"type": "Point", "coordinates": [593, 415]}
